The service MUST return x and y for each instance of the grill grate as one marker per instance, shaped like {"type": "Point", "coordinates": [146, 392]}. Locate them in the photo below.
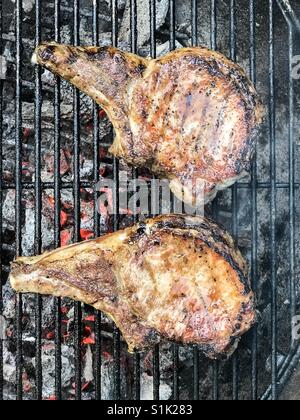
{"type": "Point", "coordinates": [279, 373]}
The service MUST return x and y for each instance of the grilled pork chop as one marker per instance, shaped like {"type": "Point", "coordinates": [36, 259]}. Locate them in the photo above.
{"type": "Point", "coordinates": [190, 117]}
{"type": "Point", "coordinates": [174, 277]}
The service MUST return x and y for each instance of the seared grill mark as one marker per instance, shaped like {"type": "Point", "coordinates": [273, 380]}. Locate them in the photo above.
{"type": "Point", "coordinates": [72, 57]}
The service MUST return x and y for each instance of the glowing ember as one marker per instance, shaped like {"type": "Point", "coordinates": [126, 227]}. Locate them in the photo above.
{"type": "Point", "coordinates": [86, 234]}
{"type": "Point", "coordinates": [65, 238]}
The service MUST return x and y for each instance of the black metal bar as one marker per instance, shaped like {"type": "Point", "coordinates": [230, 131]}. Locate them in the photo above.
{"type": "Point", "coordinates": [76, 194]}
{"type": "Point", "coordinates": [57, 207]}
{"type": "Point", "coordinates": [292, 198]}
{"type": "Point", "coordinates": [254, 234]}
{"type": "Point", "coordinates": [96, 141]}
{"type": "Point", "coordinates": [232, 30]}
{"type": "Point", "coordinates": [196, 373]}
{"type": "Point", "coordinates": [156, 373]}
{"type": "Point", "coordinates": [18, 175]}
{"type": "Point", "coordinates": [194, 19]}
{"type": "Point", "coordinates": [213, 44]}
{"type": "Point", "coordinates": [152, 6]}
{"type": "Point", "coordinates": [175, 350]}
{"type": "Point", "coordinates": [38, 204]}
{"type": "Point", "coordinates": [116, 335]}
{"type": "Point", "coordinates": [216, 380]}
{"type": "Point", "coordinates": [135, 174]}
{"type": "Point", "coordinates": [194, 9]}
{"type": "Point", "coordinates": [156, 368]}
{"type": "Point", "coordinates": [175, 372]}
{"type": "Point", "coordinates": [114, 14]}
{"type": "Point", "coordinates": [272, 128]}
{"type": "Point", "coordinates": [1, 196]}
{"type": "Point", "coordinates": [172, 25]}
{"type": "Point", "coordinates": [133, 26]}
{"type": "Point", "coordinates": [213, 23]}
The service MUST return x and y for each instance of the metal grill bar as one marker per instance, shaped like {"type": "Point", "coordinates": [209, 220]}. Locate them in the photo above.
{"type": "Point", "coordinates": [175, 350]}
{"type": "Point", "coordinates": [152, 6]}
{"type": "Point", "coordinates": [57, 206]}
{"type": "Point", "coordinates": [232, 31]}
{"type": "Point", "coordinates": [194, 19]}
{"type": "Point", "coordinates": [172, 25]}
{"type": "Point", "coordinates": [213, 24]}
{"type": "Point", "coordinates": [116, 339]}
{"type": "Point", "coordinates": [292, 181]}
{"type": "Point", "coordinates": [96, 133]}
{"type": "Point", "coordinates": [254, 271]}
{"type": "Point", "coordinates": [76, 194]}
{"type": "Point", "coordinates": [1, 197]}
{"type": "Point", "coordinates": [156, 373]}
{"type": "Point", "coordinates": [38, 204]}
{"type": "Point", "coordinates": [213, 45]}
{"type": "Point", "coordinates": [18, 178]}
{"type": "Point", "coordinates": [135, 174]}
{"type": "Point", "coordinates": [194, 16]}
{"type": "Point", "coordinates": [273, 201]}
{"type": "Point", "coordinates": [156, 367]}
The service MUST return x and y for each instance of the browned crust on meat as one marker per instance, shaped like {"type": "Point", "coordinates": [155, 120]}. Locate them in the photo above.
{"type": "Point", "coordinates": [148, 280]}
{"type": "Point", "coordinates": [191, 116]}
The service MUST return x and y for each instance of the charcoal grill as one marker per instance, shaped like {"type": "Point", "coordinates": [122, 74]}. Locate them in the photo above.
{"type": "Point", "coordinates": [268, 355]}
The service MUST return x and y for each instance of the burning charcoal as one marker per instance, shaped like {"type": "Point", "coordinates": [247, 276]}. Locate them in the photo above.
{"type": "Point", "coordinates": [143, 21]}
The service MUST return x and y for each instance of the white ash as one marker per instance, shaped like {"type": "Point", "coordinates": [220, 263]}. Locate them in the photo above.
{"type": "Point", "coordinates": [88, 372]}
{"type": "Point", "coordinates": [8, 210]}
{"type": "Point", "coordinates": [164, 49]}
{"type": "Point", "coordinates": [106, 380]}
{"type": "Point", "coordinates": [9, 365]}
{"type": "Point", "coordinates": [143, 20]}
{"type": "Point", "coordinates": [67, 371]}
{"type": "Point", "coordinates": [27, 5]}
{"type": "Point", "coordinates": [3, 67]}
{"type": "Point", "coordinates": [165, 391]}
